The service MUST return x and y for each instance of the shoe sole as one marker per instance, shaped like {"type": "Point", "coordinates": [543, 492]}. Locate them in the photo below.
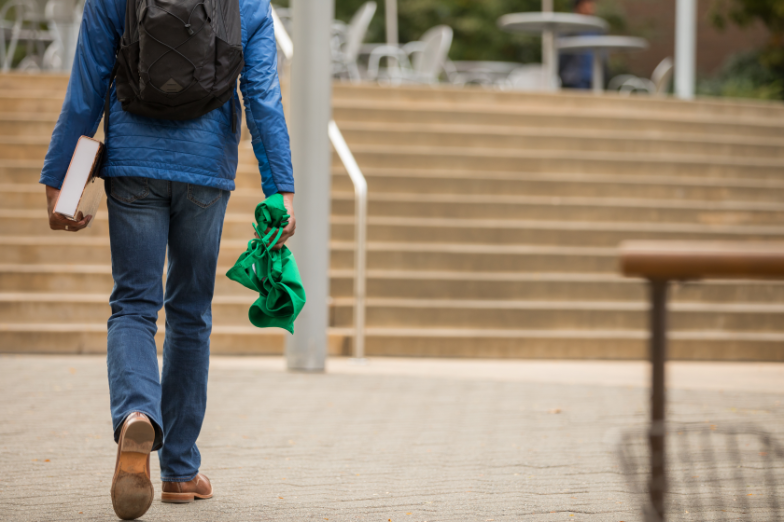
{"type": "Point", "coordinates": [132, 491]}
{"type": "Point", "coordinates": [182, 498]}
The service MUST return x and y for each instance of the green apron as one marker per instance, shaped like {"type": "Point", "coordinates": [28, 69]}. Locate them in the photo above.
{"type": "Point", "coordinates": [271, 273]}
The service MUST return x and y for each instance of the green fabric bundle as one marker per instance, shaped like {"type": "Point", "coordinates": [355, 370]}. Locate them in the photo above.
{"type": "Point", "coordinates": [271, 273]}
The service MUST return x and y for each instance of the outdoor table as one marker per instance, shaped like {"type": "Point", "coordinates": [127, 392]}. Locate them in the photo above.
{"type": "Point", "coordinates": [549, 25]}
{"type": "Point", "coordinates": [601, 43]}
{"type": "Point", "coordinates": [661, 262]}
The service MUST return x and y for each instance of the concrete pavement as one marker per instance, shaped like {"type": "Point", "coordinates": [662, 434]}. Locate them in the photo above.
{"type": "Point", "coordinates": [399, 439]}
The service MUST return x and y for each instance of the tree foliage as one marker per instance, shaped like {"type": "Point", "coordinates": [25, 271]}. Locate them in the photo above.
{"type": "Point", "coordinates": [747, 12]}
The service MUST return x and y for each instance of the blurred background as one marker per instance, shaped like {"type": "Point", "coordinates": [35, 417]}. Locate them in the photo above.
{"type": "Point", "coordinates": [739, 46]}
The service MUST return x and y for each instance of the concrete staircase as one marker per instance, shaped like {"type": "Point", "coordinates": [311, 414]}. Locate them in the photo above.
{"type": "Point", "coordinates": [494, 219]}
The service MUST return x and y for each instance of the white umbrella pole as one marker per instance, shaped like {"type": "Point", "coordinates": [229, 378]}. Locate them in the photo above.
{"type": "Point", "coordinates": [549, 57]}
{"type": "Point", "coordinates": [685, 48]}
{"type": "Point", "coordinates": [391, 18]}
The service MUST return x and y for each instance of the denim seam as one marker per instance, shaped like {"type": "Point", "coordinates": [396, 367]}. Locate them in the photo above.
{"type": "Point", "coordinates": [178, 479]}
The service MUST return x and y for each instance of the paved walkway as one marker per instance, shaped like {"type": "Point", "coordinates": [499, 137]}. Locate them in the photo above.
{"type": "Point", "coordinates": [397, 440]}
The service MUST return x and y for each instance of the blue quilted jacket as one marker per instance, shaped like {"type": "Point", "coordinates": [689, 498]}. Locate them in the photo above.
{"type": "Point", "coordinates": [202, 151]}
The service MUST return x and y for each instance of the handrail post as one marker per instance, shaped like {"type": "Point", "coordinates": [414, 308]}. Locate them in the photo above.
{"type": "Point", "coordinates": [360, 205]}
{"type": "Point", "coordinates": [360, 236]}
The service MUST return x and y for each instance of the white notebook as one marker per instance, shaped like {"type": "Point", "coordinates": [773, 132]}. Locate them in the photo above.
{"type": "Point", "coordinates": [80, 192]}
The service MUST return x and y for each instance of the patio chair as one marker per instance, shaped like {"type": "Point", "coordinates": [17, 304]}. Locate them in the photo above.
{"type": "Point", "coordinates": [484, 73]}
{"type": "Point", "coordinates": [347, 42]}
{"type": "Point", "coordinates": [20, 21]}
{"type": "Point", "coordinates": [658, 85]}
{"type": "Point", "coordinates": [63, 20]}
{"type": "Point", "coordinates": [528, 78]}
{"type": "Point", "coordinates": [415, 62]}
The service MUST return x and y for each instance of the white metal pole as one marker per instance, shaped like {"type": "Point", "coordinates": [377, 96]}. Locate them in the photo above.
{"type": "Point", "coordinates": [685, 49]}
{"type": "Point", "coordinates": [311, 108]}
{"type": "Point", "coordinates": [390, 13]}
{"type": "Point", "coordinates": [597, 79]}
{"type": "Point", "coordinates": [549, 52]}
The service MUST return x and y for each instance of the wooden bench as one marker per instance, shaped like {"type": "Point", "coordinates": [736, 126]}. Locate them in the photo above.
{"type": "Point", "coordinates": [661, 262]}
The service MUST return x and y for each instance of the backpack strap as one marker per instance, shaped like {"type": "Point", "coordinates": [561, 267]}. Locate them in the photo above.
{"type": "Point", "coordinates": [233, 116]}
{"type": "Point", "coordinates": [108, 103]}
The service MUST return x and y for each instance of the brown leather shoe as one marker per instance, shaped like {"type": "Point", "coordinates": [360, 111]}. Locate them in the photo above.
{"type": "Point", "coordinates": [132, 491]}
{"type": "Point", "coordinates": [182, 492]}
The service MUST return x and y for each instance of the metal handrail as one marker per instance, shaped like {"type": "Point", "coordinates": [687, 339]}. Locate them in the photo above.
{"type": "Point", "coordinates": [360, 202]}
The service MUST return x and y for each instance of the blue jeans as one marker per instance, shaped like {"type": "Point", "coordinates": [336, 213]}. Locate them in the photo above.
{"type": "Point", "coordinates": [145, 217]}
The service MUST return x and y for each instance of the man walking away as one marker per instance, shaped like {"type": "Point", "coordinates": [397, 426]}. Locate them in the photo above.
{"type": "Point", "coordinates": [168, 181]}
{"type": "Point", "coordinates": [576, 67]}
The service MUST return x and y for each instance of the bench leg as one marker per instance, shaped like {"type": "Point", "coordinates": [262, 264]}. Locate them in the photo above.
{"type": "Point", "coordinates": [658, 482]}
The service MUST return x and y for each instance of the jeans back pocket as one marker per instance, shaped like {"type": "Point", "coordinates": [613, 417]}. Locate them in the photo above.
{"type": "Point", "coordinates": [204, 196]}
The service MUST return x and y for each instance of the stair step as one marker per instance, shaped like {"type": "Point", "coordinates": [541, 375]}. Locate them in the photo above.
{"type": "Point", "coordinates": [568, 344]}
{"type": "Point", "coordinates": [475, 95]}
{"type": "Point", "coordinates": [555, 315]}
{"type": "Point", "coordinates": [536, 232]}
{"type": "Point", "coordinates": [459, 181]}
{"type": "Point", "coordinates": [23, 148]}
{"type": "Point", "coordinates": [570, 100]}
{"type": "Point", "coordinates": [237, 227]}
{"type": "Point", "coordinates": [397, 256]}
{"type": "Point", "coordinates": [33, 125]}
{"type": "Point", "coordinates": [90, 338]}
{"type": "Point", "coordinates": [47, 101]}
{"type": "Point", "coordinates": [491, 206]}
{"type": "Point", "coordinates": [524, 138]}
{"type": "Point", "coordinates": [416, 284]}
{"type": "Point", "coordinates": [18, 81]}
{"type": "Point", "coordinates": [49, 278]}
{"type": "Point", "coordinates": [500, 206]}
{"type": "Point", "coordinates": [544, 286]}
{"type": "Point", "coordinates": [231, 311]}
{"type": "Point", "coordinates": [553, 117]}
{"type": "Point", "coordinates": [563, 344]}
{"type": "Point", "coordinates": [499, 160]}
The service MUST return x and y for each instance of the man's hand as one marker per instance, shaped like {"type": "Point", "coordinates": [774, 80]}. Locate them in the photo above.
{"type": "Point", "coordinates": [288, 230]}
{"type": "Point", "coordinates": [58, 222]}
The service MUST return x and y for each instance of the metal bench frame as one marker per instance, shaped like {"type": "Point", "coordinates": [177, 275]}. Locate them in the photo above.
{"type": "Point", "coordinates": [661, 262]}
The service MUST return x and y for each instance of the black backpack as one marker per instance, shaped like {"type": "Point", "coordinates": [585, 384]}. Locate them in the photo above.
{"type": "Point", "coordinates": [178, 59]}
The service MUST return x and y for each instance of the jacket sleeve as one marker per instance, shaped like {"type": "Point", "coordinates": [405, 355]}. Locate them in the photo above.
{"type": "Point", "coordinates": [99, 37]}
{"type": "Point", "coordinates": [264, 108]}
